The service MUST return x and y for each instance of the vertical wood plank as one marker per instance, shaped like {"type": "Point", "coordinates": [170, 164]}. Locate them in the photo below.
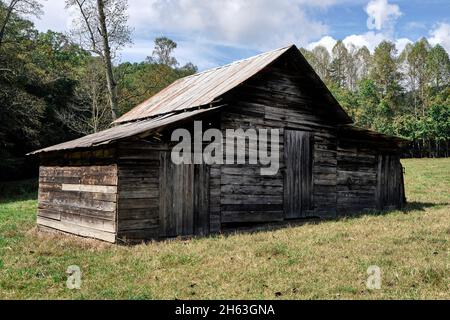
{"type": "Point", "coordinates": [184, 206]}
{"type": "Point", "coordinates": [188, 199]}
{"type": "Point", "coordinates": [163, 210]}
{"type": "Point", "coordinates": [390, 185]}
{"type": "Point", "coordinates": [298, 181]}
{"type": "Point", "coordinates": [201, 200]}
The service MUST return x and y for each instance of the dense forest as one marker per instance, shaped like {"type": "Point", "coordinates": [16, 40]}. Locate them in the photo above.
{"type": "Point", "coordinates": [55, 87]}
{"type": "Point", "coordinates": [406, 93]}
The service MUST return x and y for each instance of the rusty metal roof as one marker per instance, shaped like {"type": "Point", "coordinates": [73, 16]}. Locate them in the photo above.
{"type": "Point", "coordinates": [202, 88]}
{"type": "Point", "coordinates": [185, 98]}
{"type": "Point", "coordinates": [123, 131]}
{"type": "Point", "coordinates": [352, 131]}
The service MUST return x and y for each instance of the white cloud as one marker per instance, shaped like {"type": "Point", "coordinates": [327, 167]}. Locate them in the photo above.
{"type": "Point", "coordinates": [210, 32]}
{"type": "Point", "coordinates": [401, 44]}
{"type": "Point", "coordinates": [441, 35]}
{"type": "Point", "coordinates": [185, 52]}
{"type": "Point", "coordinates": [55, 18]}
{"type": "Point", "coordinates": [199, 25]}
{"type": "Point", "coordinates": [259, 24]}
{"type": "Point", "coordinates": [369, 39]}
{"type": "Point", "coordinates": [381, 14]}
{"type": "Point", "coordinates": [415, 25]}
{"type": "Point", "coordinates": [382, 17]}
{"type": "Point", "coordinates": [327, 42]}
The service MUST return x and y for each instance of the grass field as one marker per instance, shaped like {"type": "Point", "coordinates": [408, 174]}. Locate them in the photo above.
{"type": "Point", "coordinates": [327, 260]}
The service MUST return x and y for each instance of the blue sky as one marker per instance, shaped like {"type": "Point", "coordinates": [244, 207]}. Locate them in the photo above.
{"type": "Point", "coordinates": [418, 17]}
{"type": "Point", "coordinates": [214, 32]}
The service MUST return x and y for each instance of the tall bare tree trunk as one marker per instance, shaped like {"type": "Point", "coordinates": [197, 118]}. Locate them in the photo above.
{"type": "Point", "coordinates": [112, 85]}
{"type": "Point", "coordinates": [7, 17]}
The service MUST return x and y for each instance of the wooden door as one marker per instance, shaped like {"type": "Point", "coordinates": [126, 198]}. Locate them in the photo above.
{"type": "Point", "coordinates": [184, 202]}
{"type": "Point", "coordinates": [390, 185]}
{"type": "Point", "coordinates": [298, 179]}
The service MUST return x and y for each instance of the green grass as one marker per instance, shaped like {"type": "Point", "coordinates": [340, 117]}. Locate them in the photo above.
{"type": "Point", "coordinates": [328, 260]}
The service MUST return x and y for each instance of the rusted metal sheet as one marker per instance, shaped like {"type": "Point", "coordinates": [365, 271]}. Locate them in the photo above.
{"type": "Point", "coordinates": [351, 131]}
{"type": "Point", "coordinates": [123, 131]}
{"type": "Point", "coordinates": [202, 88]}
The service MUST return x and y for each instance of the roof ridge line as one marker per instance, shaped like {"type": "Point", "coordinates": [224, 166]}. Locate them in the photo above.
{"type": "Point", "coordinates": [238, 61]}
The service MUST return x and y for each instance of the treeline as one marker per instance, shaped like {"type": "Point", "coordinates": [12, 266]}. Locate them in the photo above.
{"type": "Point", "coordinates": [398, 93]}
{"type": "Point", "coordinates": [54, 88]}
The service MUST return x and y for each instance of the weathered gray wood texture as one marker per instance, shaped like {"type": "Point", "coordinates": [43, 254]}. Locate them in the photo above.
{"type": "Point", "coordinates": [279, 99]}
{"type": "Point", "coordinates": [390, 186]}
{"type": "Point", "coordinates": [138, 190]}
{"type": "Point", "coordinates": [184, 202]}
{"type": "Point", "coordinates": [298, 178]}
{"type": "Point", "coordinates": [158, 199]}
{"type": "Point", "coordinates": [370, 177]}
{"type": "Point", "coordinates": [80, 200]}
{"type": "Point", "coordinates": [356, 179]}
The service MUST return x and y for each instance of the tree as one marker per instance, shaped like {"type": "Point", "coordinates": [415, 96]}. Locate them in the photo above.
{"type": "Point", "coordinates": [351, 68]}
{"type": "Point", "coordinates": [415, 58]}
{"type": "Point", "coordinates": [101, 28]}
{"type": "Point", "coordinates": [438, 64]}
{"type": "Point", "coordinates": [338, 64]}
{"type": "Point", "coordinates": [52, 90]}
{"type": "Point", "coordinates": [438, 120]}
{"type": "Point", "coordinates": [88, 113]}
{"type": "Point", "coordinates": [363, 61]}
{"type": "Point", "coordinates": [385, 72]}
{"type": "Point", "coordinates": [36, 77]}
{"type": "Point", "coordinates": [142, 80]}
{"type": "Point", "coordinates": [162, 54]}
{"type": "Point", "coordinates": [321, 60]}
{"type": "Point", "coordinates": [188, 69]}
{"type": "Point", "coordinates": [368, 101]}
{"type": "Point", "coordinates": [19, 7]}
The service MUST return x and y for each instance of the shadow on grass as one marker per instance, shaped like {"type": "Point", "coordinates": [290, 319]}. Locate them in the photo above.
{"type": "Point", "coordinates": [243, 228]}
{"type": "Point", "coordinates": [254, 228]}
{"type": "Point", "coordinates": [420, 206]}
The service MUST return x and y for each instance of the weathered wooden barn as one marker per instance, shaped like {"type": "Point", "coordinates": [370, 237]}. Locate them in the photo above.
{"type": "Point", "coordinates": [120, 184]}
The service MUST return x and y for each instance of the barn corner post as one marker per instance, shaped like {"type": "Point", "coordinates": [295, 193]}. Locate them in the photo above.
{"type": "Point", "coordinates": [139, 177]}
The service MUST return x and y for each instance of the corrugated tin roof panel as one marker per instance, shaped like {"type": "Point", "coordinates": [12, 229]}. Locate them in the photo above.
{"type": "Point", "coordinates": [202, 88]}
{"type": "Point", "coordinates": [123, 131]}
{"type": "Point", "coordinates": [353, 131]}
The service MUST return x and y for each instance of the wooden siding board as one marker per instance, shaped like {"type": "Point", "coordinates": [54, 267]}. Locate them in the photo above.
{"type": "Point", "coordinates": [259, 105]}
{"type": "Point", "coordinates": [357, 178]}
{"type": "Point", "coordinates": [298, 185]}
{"type": "Point", "coordinates": [185, 201]}
{"type": "Point", "coordinates": [139, 190]}
{"type": "Point", "coordinates": [201, 200]}
{"type": "Point", "coordinates": [81, 200]}
{"type": "Point", "coordinates": [76, 229]}
{"type": "Point", "coordinates": [214, 199]}
{"type": "Point", "coordinates": [390, 187]}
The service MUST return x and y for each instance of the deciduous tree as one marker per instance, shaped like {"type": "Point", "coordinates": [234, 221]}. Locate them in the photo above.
{"type": "Point", "coordinates": [18, 7]}
{"type": "Point", "coordinates": [162, 54]}
{"type": "Point", "coordinates": [101, 27]}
